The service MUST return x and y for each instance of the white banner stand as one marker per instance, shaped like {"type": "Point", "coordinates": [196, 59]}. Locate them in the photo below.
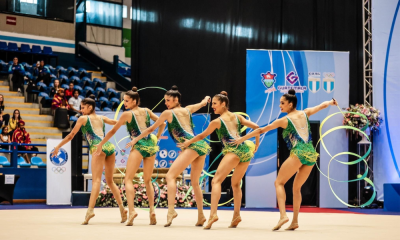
{"type": "Point", "coordinates": [58, 182]}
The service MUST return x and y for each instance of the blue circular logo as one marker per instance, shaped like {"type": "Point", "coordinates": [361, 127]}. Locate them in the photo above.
{"type": "Point", "coordinates": [61, 158]}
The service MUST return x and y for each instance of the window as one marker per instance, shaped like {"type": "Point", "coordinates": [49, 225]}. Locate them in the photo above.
{"type": "Point", "coordinates": [124, 11]}
{"type": "Point", "coordinates": [104, 13]}
{"type": "Point", "coordinates": [29, 1]}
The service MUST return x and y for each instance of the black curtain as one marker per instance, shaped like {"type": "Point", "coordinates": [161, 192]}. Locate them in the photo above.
{"type": "Point", "coordinates": [201, 45]}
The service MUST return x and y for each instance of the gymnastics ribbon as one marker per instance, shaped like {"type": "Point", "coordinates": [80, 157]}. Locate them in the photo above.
{"type": "Point", "coordinates": [360, 158]}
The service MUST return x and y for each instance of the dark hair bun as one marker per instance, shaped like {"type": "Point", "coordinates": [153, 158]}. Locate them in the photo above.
{"type": "Point", "coordinates": [134, 89]}
{"type": "Point", "coordinates": [175, 88]}
{"type": "Point", "coordinates": [92, 96]}
{"type": "Point", "coordinates": [224, 93]}
{"type": "Point", "coordinates": [292, 92]}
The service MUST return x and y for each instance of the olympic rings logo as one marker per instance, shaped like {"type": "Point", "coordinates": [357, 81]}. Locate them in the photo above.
{"type": "Point", "coordinates": [58, 170]}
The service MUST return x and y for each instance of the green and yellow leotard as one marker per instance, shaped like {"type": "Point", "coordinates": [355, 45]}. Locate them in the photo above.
{"type": "Point", "coordinates": [298, 146]}
{"type": "Point", "coordinates": [245, 151]}
{"type": "Point", "coordinates": [147, 146]}
{"type": "Point", "coordinates": [179, 134]}
{"type": "Point", "coordinates": [93, 139]}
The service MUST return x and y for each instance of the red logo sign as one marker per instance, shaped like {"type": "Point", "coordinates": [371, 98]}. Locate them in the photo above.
{"type": "Point", "coordinates": [11, 20]}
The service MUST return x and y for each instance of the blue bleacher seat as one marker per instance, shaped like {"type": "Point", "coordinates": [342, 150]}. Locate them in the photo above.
{"type": "Point", "coordinates": [48, 51]}
{"type": "Point", "coordinates": [78, 88]}
{"type": "Point", "coordinates": [25, 48]}
{"type": "Point", "coordinates": [97, 80]}
{"type": "Point", "coordinates": [36, 49]}
{"type": "Point", "coordinates": [103, 99]}
{"type": "Point", "coordinates": [86, 79]}
{"type": "Point", "coordinates": [37, 161]}
{"type": "Point", "coordinates": [81, 97]}
{"type": "Point", "coordinates": [12, 47]}
{"type": "Point", "coordinates": [74, 78]}
{"type": "Point", "coordinates": [87, 88]}
{"type": "Point", "coordinates": [40, 84]}
{"type": "Point", "coordinates": [43, 94]}
{"type": "Point", "coordinates": [51, 84]}
{"type": "Point", "coordinates": [98, 104]}
{"type": "Point", "coordinates": [53, 76]}
{"type": "Point", "coordinates": [100, 84]}
{"type": "Point", "coordinates": [115, 100]}
{"type": "Point", "coordinates": [97, 109]}
{"type": "Point", "coordinates": [65, 86]}
{"type": "Point", "coordinates": [63, 79]}
{"type": "Point", "coordinates": [22, 163]}
{"type": "Point", "coordinates": [3, 46]}
{"type": "Point", "coordinates": [73, 118]}
{"type": "Point", "coordinates": [48, 89]}
{"type": "Point", "coordinates": [28, 75]}
{"type": "Point", "coordinates": [4, 162]}
{"type": "Point", "coordinates": [78, 82]}
{"type": "Point", "coordinates": [106, 109]}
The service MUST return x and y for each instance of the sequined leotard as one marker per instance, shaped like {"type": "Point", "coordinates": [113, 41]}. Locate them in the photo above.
{"type": "Point", "coordinates": [147, 146]}
{"type": "Point", "coordinates": [179, 134]}
{"type": "Point", "coordinates": [245, 151]}
{"type": "Point", "coordinates": [298, 146]}
{"type": "Point", "coordinates": [93, 139]}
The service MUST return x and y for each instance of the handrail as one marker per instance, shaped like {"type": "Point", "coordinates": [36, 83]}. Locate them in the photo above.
{"type": "Point", "coordinates": [108, 69]}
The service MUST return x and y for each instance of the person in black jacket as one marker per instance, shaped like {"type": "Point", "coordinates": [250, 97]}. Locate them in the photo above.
{"type": "Point", "coordinates": [42, 73]}
{"type": "Point", "coordinates": [16, 73]}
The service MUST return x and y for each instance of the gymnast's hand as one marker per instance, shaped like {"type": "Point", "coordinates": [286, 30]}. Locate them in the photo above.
{"type": "Point", "coordinates": [131, 143]}
{"type": "Point", "coordinates": [185, 144]}
{"type": "Point", "coordinates": [55, 152]}
{"type": "Point", "coordinates": [99, 149]}
{"type": "Point", "coordinates": [236, 142]}
{"type": "Point", "coordinates": [255, 150]}
{"type": "Point", "coordinates": [333, 102]}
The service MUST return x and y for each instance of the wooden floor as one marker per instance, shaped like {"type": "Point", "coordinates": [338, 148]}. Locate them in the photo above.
{"type": "Point", "coordinates": [65, 224]}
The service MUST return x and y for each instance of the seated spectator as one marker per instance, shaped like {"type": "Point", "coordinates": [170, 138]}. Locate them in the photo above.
{"type": "Point", "coordinates": [4, 117]}
{"type": "Point", "coordinates": [59, 100]}
{"type": "Point", "coordinates": [70, 91]}
{"type": "Point", "coordinates": [75, 104]}
{"type": "Point", "coordinates": [42, 73]}
{"type": "Point", "coordinates": [5, 138]}
{"type": "Point", "coordinates": [22, 136]}
{"type": "Point", "coordinates": [12, 124]}
{"type": "Point", "coordinates": [16, 75]}
{"type": "Point", "coordinates": [55, 89]}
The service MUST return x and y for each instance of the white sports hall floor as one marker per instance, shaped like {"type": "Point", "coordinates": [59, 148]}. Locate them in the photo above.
{"type": "Point", "coordinates": [64, 223]}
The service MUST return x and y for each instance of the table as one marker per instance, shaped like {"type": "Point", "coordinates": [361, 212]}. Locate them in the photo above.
{"type": "Point", "coordinates": [7, 190]}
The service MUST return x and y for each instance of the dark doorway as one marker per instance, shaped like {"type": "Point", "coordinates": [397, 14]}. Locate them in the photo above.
{"type": "Point", "coordinates": [310, 189]}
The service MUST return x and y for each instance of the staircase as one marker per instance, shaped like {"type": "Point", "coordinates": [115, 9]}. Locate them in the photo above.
{"type": "Point", "coordinates": [40, 127]}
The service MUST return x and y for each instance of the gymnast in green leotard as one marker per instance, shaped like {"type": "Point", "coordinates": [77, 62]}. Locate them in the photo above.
{"type": "Point", "coordinates": [297, 135]}
{"type": "Point", "coordinates": [228, 127]}
{"type": "Point", "coordinates": [93, 127]}
{"type": "Point", "coordinates": [180, 126]}
{"type": "Point", "coordinates": [137, 120]}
